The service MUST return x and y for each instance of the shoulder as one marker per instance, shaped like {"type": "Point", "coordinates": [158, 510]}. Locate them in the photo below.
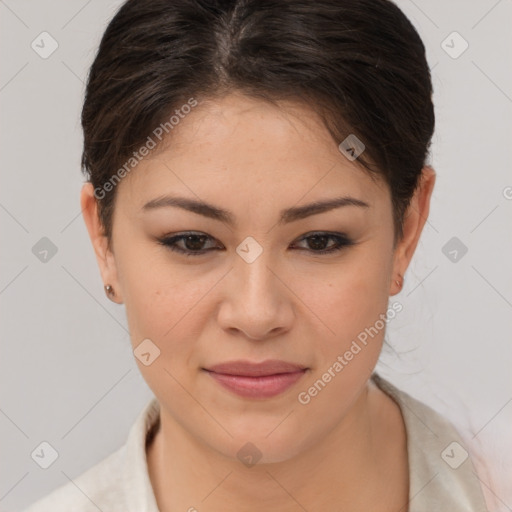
{"type": "Point", "coordinates": [441, 472]}
{"type": "Point", "coordinates": [118, 482]}
{"type": "Point", "coordinates": [98, 488]}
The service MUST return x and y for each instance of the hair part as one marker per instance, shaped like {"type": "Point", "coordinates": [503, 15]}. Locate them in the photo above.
{"type": "Point", "coordinates": [360, 64]}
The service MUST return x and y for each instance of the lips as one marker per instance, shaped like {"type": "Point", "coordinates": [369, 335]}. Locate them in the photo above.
{"type": "Point", "coordinates": [250, 369]}
{"type": "Point", "coordinates": [256, 380]}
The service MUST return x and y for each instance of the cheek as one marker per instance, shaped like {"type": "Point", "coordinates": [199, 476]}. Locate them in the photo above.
{"type": "Point", "coordinates": [352, 307]}
{"type": "Point", "coordinates": [156, 293]}
{"type": "Point", "coordinates": [165, 308]}
{"type": "Point", "coordinates": [168, 306]}
{"type": "Point", "coordinates": [350, 297]}
{"type": "Point", "coordinates": [167, 312]}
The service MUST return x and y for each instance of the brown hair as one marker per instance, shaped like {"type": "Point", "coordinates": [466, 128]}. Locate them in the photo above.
{"type": "Point", "coordinates": [359, 63]}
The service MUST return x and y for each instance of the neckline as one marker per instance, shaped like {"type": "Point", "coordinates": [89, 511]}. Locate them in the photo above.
{"type": "Point", "coordinates": [427, 433]}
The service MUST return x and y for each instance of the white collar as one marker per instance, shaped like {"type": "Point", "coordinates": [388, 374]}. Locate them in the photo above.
{"type": "Point", "coordinates": [433, 484]}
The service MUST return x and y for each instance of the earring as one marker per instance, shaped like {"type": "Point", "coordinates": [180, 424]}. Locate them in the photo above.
{"type": "Point", "coordinates": [109, 290]}
{"type": "Point", "coordinates": [399, 282]}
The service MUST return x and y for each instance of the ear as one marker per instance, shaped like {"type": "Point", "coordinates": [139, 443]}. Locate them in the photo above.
{"type": "Point", "coordinates": [105, 258]}
{"type": "Point", "coordinates": [414, 220]}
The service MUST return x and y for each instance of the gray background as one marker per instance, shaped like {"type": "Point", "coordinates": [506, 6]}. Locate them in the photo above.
{"type": "Point", "coordinates": [68, 374]}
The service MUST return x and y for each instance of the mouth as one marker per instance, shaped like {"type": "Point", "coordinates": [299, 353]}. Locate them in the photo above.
{"type": "Point", "coordinates": [256, 380]}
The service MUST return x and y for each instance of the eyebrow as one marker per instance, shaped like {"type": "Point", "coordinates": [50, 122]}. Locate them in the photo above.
{"type": "Point", "coordinates": [286, 216]}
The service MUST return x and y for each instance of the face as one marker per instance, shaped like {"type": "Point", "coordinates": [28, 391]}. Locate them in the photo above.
{"type": "Point", "coordinates": [306, 288]}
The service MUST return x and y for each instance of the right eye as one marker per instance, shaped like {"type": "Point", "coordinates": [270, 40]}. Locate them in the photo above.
{"type": "Point", "coordinates": [192, 242]}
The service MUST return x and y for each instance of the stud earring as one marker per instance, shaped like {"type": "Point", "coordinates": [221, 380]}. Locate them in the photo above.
{"type": "Point", "coordinates": [399, 282]}
{"type": "Point", "coordinates": [109, 291]}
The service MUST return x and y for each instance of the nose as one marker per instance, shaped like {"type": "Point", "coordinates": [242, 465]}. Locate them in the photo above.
{"type": "Point", "coordinates": [257, 300]}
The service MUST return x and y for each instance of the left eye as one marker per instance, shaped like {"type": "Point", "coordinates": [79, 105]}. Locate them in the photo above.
{"type": "Point", "coordinates": [194, 243]}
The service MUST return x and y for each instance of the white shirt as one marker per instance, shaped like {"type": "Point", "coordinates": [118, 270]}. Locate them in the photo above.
{"type": "Point", "coordinates": [438, 479]}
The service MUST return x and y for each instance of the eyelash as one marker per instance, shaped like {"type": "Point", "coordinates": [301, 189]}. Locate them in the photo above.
{"type": "Point", "coordinates": [342, 242]}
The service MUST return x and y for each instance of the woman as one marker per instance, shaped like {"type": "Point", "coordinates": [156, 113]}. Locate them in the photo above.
{"type": "Point", "coordinates": [256, 190]}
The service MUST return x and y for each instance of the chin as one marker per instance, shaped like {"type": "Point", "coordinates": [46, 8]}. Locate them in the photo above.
{"type": "Point", "coordinates": [264, 446]}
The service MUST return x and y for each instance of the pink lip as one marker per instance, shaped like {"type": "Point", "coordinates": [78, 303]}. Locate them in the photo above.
{"type": "Point", "coordinates": [257, 380]}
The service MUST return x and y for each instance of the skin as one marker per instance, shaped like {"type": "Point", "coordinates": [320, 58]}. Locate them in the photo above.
{"type": "Point", "coordinates": [346, 448]}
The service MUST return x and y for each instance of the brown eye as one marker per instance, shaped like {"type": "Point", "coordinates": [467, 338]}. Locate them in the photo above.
{"type": "Point", "coordinates": [318, 243]}
{"type": "Point", "coordinates": [192, 243]}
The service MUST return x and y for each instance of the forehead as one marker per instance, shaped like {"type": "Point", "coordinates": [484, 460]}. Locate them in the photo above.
{"type": "Point", "coordinates": [239, 149]}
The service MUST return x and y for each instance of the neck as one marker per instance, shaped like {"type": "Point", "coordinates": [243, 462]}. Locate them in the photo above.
{"type": "Point", "coordinates": [359, 465]}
